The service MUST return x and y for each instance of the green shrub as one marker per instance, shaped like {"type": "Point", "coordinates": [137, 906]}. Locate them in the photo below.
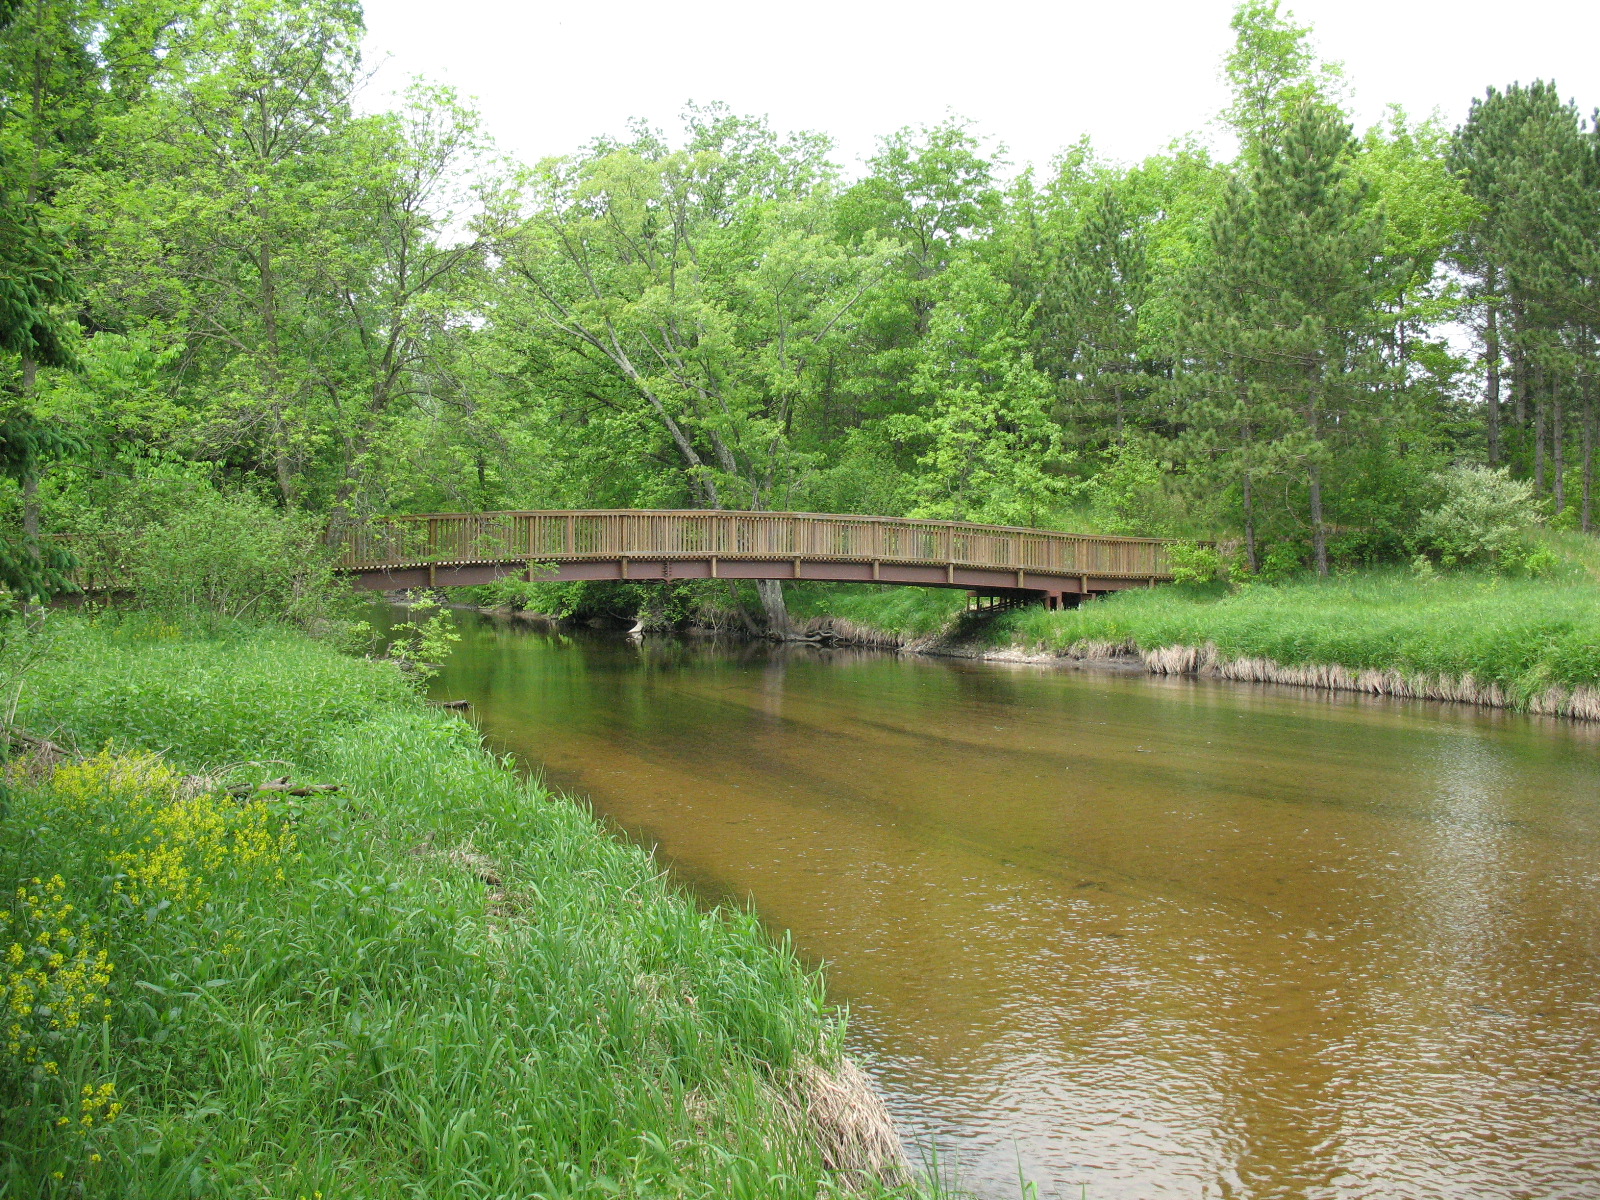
{"type": "Point", "coordinates": [1129, 495]}
{"type": "Point", "coordinates": [701, 603]}
{"type": "Point", "coordinates": [236, 556]}
{"type": "Point", "coordinates": [1484, 518]}
{"type": "Point", "coordinates": [909, 612]}
{"type": "Point", "coordinates": [181, 545]}
{"type": "Point", "coordinates": [1195, 563]}
{"type": "Point", "coordinates": [422, 643]}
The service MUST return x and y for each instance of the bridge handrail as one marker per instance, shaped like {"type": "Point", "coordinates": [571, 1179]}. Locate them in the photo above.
{"type": "Point", "coordinates": [544, 534]}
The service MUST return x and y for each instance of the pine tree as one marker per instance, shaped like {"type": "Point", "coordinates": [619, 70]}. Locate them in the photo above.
{"type": "Point", "coordinates": [1283, 370]}
{"type": "Point", "coordinates": [1100, 285]}
{"type": "Point", "coordinates": [1525, 158]}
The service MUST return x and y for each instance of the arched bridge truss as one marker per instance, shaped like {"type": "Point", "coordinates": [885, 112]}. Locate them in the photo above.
{"type": "Point", "coordinates": [456, 549]}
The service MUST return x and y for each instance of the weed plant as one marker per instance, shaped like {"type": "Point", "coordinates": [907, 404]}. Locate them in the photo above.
{"type": "Point", "coordinates": [438, 981]}
{"type": "Point", "coordinates": [1526, 635]}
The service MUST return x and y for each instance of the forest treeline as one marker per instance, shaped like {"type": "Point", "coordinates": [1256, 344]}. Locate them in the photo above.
{"type": "Point", "coordinates": [222, 272]}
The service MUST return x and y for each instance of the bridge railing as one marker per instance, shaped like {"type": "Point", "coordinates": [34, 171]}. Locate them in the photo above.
{"type": "Point", "coordinates": [541, 536]}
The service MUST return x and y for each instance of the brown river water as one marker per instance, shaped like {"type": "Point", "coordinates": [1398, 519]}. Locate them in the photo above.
{"type": "Point", "coordinates": [1126, 938]}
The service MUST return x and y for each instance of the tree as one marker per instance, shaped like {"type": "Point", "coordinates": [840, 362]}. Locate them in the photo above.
{"type": "Point", "coordinates": [1274, 73]}
{"type": "Point", "coordinates": [989, 450]}
{"type": "Point", "coordinates": [44, 61]}
{"type": "Point", "coordinates": [1526, 159]}
{"type": "Point", "coordinates": [693, 293]}
{"type": "Point", "coordinates": [1281, 370]}
{"type": "Point", "coordinates": [220, 221]}
{"type": "Point", "coordinates": [930, 191]}
{"type": "Point", "coordinates": [1100, 285]}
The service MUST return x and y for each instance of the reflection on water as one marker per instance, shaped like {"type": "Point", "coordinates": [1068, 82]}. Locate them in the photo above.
{"type": "Point", "coordinates": [1158, 938]}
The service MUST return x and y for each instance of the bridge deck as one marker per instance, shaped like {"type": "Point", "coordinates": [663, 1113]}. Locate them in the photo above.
{"type": "Point", "coordinates": [449, 549]}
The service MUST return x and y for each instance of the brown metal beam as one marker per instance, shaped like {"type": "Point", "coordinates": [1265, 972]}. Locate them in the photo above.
{"type": "Point", "coordinates": [644, 570]}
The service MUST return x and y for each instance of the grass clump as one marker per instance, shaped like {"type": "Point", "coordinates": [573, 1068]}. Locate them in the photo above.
{"type": "Point", "coordinates": [240, 691]}
{"type": "Point", "coordinates": [439, 980]}
{"type": "Point", "coordinates": [905, 612]}
{"type": "Point", "coordinates": [1523, 635]}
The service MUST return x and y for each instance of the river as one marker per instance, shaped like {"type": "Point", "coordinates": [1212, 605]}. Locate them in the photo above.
{"type": "Point", "coordinates": [1128, 938]}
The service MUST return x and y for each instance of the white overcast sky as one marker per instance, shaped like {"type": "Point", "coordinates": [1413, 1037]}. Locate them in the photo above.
{"type": "Point", "coordinates": [1133, 76]}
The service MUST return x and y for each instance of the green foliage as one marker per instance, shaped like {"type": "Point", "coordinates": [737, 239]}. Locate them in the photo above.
{"type": "Point", "coordinates": [692, 603]}
{"type": "Point", "coordinates": [1274, 73]}
{"type": "Point", "coordinates": [31, 568]}
{"type": "Point", "coordinates": [456, 976]}
{"type": "Point", "coordinates": [989, 450]}
{"type": "Point", "coordinates": [1280, 561]}
{"type": "Point", "coordinates": [1286, 376]}
{"type": "Point", "coordinates": [1129, 495]}
{"type": "Point", "coordinates": [1483, 518]}
{"type": "Point", "coordinates": [33, 281]}
{"type": "Point", "coordinates": [1194, 563]}
{"type": "Point", "coordinates": [180, 546]}
{"type": "Point", "coordinates": [420, 644]}
{"type": "Point", "coordinates": [366, 312]}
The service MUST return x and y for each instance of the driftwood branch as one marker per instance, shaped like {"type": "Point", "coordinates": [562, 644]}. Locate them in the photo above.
{"type": "Point", "coordinates": [21, 739]}
{"type": "Point", "coordinates": [282, 787]}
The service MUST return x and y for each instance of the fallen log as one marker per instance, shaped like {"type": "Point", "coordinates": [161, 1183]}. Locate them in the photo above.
{"type": "Point", "coordinates": [24, 740]}
{"type": "Point", "coordinates": [282, 787]}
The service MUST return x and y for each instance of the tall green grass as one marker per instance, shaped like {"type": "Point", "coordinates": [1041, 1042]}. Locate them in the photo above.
{"type": "Point", "coordinates": [908, 612]}
{"type": "Point", "coordinates": [461, 986]}
{"type": "Point", "coordinates": [1524, 635]}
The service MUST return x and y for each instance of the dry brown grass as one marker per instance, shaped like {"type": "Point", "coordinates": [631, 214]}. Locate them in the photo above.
{"type": "Point", "coordinates": [846, 1117]}
{"type": "Point", "coordinates": [1579, 703]}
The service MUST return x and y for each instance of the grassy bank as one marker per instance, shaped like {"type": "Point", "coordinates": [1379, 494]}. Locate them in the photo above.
{"type": "Point", "coordinates": [1530, 643]}
{"type": "Point", "coordinates": [874, 613]}
{"type": "Point", "coordinates": [439, 980]}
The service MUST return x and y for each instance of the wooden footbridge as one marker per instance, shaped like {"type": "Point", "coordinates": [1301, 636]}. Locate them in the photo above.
{"type": "Point", "coordinates": [454, 549]}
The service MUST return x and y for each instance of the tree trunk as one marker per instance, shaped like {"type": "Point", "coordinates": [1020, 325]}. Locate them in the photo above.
{"type": "Point", "coordinates": [1491, 358]}
{"type": "Point", "coordinates": [1538, 437]}
{"type": "Point", "coordinates": [282, 455]}
{"type": "Point", "coordinates": [1319, 532]}
{"type": "Point", "coordinates": [30, 483]}
{"type": "Point", "coordinates": [1588, 464]}
{"type": "Point", "coordinates": [1250, 527]}
{"type": "Point", "coordinates": [1519, 372]}
{"type": "Point", "coordinates": [283, 463]}
{"type": "Point", "coordinates": [777, 612]}
{"type": "Point", "coordinates": [1557, 458]}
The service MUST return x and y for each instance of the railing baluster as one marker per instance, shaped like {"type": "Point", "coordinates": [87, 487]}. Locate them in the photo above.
{"type": "Point", "coordinates": [512, 536]}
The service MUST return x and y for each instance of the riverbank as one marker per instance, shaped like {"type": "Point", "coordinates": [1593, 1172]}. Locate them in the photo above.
{"type": "Point", "coordinates": [437, 977]}
{"type": "Point", "coordinates": [1531, 645]}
